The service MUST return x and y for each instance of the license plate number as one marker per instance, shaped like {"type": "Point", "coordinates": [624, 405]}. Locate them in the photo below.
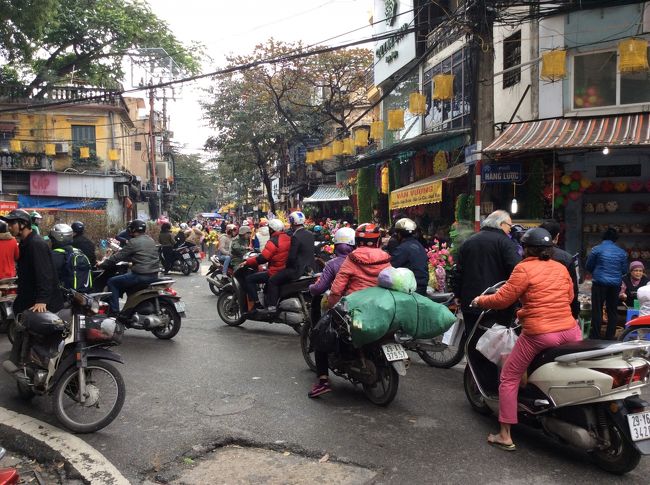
{"type": "Point", "coordinates": [186, 256]}
{"type": "Point", "coordinates": [394, 352]}
{"type": "Point", "coordinates": [180, 306]}
{"type": "Point", "coordinates": [639, 424]}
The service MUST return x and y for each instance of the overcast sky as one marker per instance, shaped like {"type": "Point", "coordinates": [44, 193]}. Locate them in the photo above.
{"type": "Point", "coordinates": [226, 27]}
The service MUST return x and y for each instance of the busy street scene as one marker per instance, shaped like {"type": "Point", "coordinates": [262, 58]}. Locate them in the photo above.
{"type": "Point", "coordinates": [343, 242]}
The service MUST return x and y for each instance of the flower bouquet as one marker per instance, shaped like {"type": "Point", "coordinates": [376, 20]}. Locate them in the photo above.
{"type": "Point", "coordinates": [440, 261]}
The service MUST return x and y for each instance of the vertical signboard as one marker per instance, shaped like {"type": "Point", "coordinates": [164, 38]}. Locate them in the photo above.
{"type": "Point", "coordinates": [393, 53]}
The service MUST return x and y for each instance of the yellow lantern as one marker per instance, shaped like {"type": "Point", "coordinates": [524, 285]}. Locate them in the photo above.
{"type": "Point", "coordinates": [443, 86]}
{"type": "Point", "coordinates": [326, 152]}
{"type": "Point", "coordinates": [309, 160]}
{"type": "Point", "coordinates": [384, 180]}
{"type": "Point", "coordinates": [361, 138]}
{"type": "Point", "coordinates": [348, 146]}
{"type": "Point", "coordinates": [633, 55]}
{"type": "Point", "coordinates": [440, 162]}
{"type": "Point", "coordinates": [84, 152]}
{"type": "Point", "coordinates": [50, 149]}
{"type": "Point", "coordinates": [337, 147]}
{"type": "Point", "coordinates": [113, 154]}
{"type": "Point", "coordinates": [14, 146]}
{"type": "Point", "coordinates": [395, 119]}
{"type": "Point", "coordinates": [417, 104]}
{"type": "Point", "coordinates": [318, 155]}
{"type": "Point", "coordinates": [554, 65]}
{"type": "Point", "coordinates": [377, 130]}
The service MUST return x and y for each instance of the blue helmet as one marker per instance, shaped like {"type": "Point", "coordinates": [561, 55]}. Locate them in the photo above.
{"type": "Point", "coordinates": [318, 228]}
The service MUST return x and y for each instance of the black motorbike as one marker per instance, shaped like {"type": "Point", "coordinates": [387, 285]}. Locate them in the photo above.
{"type": "Point", "coordinates": [182, 260]}
{"type": "Point", "coordinates": [8, 291]}
{"type": "Point", "coordinates": [191, 254]}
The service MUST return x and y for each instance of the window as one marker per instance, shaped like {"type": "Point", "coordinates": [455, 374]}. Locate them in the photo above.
{"type": "Point", "coordinates": [137, 146]}
{"type": "Point", "coordinates": [83, 135]}
{"type": "Point", "coordinates": [597, 82]}
{"type": "Point", "coordinates": [512, 58]}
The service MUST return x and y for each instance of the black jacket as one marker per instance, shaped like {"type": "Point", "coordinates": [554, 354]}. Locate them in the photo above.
{"type": "Point", "coordinates": [301, 253]}
{"type": "Point", "coordinates": [484, 259]}
{"type": "Point", "coordinates": [87, 247]}
{"type": "Point", "coordinates": [412, 255]}
{"type": "Point", "coordinates": [37, 278]}
{"type": "Point", "coordinates": [561, 256]}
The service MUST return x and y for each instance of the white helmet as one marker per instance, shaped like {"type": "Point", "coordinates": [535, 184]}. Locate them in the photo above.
{"type": "Point", "coordinates": [345, 235]}
{"type": "Point", "coordinates": [407, 225]}
{"type": "Point", "coordinates": [297, 218]}
{"type": "Point", "coordinates": [183, 226]}
{"type": "Point", "coordinates": [230, 227]}
{"type": "Point", "coordinates": [199, 227]}
{"type": "Point", "coordinates": [245, 223]}
{"type": "Point", "coordinates": [276, 225]}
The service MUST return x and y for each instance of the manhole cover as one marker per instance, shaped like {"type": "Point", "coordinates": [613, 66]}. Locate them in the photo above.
{"type": "Point", "coordinates": [223, 404]}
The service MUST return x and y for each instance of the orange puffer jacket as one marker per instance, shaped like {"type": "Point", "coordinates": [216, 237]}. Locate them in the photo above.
{"type": "Point", "coordinates": [359, 270]}
{"type": "Point", "coordinates": [545, 291]}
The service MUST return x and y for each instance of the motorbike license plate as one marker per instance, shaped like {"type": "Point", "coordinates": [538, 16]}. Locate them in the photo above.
{"type": "Point", "coordinates": [394, 352]}
{"type": "Point", "coordinates": [186, 255]}
{"type": "Point", "coordinates": [639, 424]}
{"type": "Point", "coordinates": [180, 306]}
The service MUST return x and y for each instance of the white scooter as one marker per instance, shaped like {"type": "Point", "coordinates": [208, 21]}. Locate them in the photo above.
{"type": "Point", "coordinates": [585, 394]}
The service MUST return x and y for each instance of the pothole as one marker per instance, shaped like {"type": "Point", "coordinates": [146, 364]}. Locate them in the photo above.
{"type": "Point", "coordinates": [224, 404]}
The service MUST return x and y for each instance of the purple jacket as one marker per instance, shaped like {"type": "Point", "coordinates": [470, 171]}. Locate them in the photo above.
{"type": "Point", "coordinates": [332, 267]}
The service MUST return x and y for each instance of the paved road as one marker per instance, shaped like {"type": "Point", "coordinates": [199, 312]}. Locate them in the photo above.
{"type": "Point", "coordinates": [213, 382]}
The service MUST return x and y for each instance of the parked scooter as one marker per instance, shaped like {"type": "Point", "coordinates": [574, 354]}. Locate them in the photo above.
{"type": "Point", "coordinates": [585, 394]}
{"type": "Point", "coordinates": [8, 291]}
{"type": "Point", "coordinates": [376, 366]}
{"type": "Point", "coordinates": [293, 307]}
{"type": "Point", "coordinates": [65, 356]}
{"type": "Point", "coordinates": [8, 476]}
{"type": "Point", "coordinates": [190, 254]}
{"type": "Point", "coordinates": [637, 329]}
{"type": "Point", "coordinates": [182, 259]}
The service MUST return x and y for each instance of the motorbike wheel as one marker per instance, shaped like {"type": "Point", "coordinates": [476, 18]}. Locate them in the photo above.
{"type": "Point", "coordinates": [634, 333]}
{"type": "Point", "coordinates": [171, 329]}
{"type": "Point", "coordinates": [213, 288]}
{"type": "Point", "coordinates": [621, 456]}
{"type": "Point", "coordinates": [473, 394]}
{"type": "Point", "coordinates": [444, 356]}
{"type": "Point", "coordinates": [384, 390]}
{"type": "Point", "coordinates": [11, 331]}
{"type": "Point", "coordinates": [305, 346]}
{"type": "Point", "coordinates": [185, 268]}
{"type": "Point", "coordinates": [24, 391]}
{"type": "Point", "coordinates": [228, 309]}
{"type": "Point", "coordinates": [195, 265]}
{"type": "Point", "coordinates": [105, 389]}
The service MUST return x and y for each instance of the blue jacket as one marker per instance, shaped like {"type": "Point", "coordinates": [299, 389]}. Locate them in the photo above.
{"type": "Point", "coordinates": [412, 255]}
{"type": "Point", "coordinates": [607, 264]}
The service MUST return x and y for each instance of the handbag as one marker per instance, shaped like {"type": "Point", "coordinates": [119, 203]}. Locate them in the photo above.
{"type": "Point", "coordinates": [497, 343]}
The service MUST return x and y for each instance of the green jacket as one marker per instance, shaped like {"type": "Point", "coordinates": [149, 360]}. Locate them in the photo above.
{"type": "Point", "coordinates": [238, 248]}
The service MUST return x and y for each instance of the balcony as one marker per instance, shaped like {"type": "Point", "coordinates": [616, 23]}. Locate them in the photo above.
{"type": "Point", "coordinates": [10, 94]}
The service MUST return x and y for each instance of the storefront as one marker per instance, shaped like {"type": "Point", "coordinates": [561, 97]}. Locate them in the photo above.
{"type": "Point", "coordinates": [328, 201]}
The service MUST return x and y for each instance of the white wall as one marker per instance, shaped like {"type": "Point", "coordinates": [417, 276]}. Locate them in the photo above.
{"type": "Point", "coordinates": [114, 211]}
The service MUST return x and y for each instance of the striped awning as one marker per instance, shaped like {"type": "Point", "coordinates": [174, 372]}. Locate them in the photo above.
{"type": "Point", "coordinates": [570, 133]}
{"type": "Point", "coordinates": [327, 193]}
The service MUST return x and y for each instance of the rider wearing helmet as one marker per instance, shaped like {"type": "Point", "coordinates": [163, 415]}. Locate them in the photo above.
{"type": "Point", "coordinates": [80, 241]}
{"type": "Point", "coordinates": [240, 246]}
{"type": "Point", "coordinates": [61, 241]}
{"type": "Point", "coordinates": [142, 253]}
{"type": "Point", "coordinates": [410, 253]}
{"type": "Point", "coordinates": [262, 235]}
{"type": "Point", "coordinates": [36, 221]}
{"type": "Point", "coordinates": [225, 245]}
{"type": "Point", "coordinates": [124, 236]}
{"type": "Point", "coordinates": [545, 290]}
{"type": "Point", "coordinates": [318, 233]}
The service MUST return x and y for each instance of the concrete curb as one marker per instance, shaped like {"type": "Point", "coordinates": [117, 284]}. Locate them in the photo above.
{"type": "Point", "coordinates": [91, 465]}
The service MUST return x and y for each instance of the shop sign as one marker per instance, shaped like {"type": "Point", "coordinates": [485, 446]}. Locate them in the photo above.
{"type": "Point", "coordinates": [43, 183]}
{"type": "Point", "coordinates": [395, 52]}
{"type": "Point", "coordinates": [275, 189]}
{"type": "Point", "coordinates": [502, 173]}
{"type": "Point", "coordinates": [7, 206]}
{"type": "Point", "coordinates": [424, 194]}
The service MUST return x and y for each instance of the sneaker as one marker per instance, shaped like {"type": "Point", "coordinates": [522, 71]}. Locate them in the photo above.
{"type": "Point", "coordinates": [320, 388]}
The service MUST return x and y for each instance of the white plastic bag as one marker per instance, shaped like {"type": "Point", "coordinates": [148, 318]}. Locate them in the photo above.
{"type": "Point", "coordinates": [452, 336]}
{"type": "Point", "coordinates": [497, 343]}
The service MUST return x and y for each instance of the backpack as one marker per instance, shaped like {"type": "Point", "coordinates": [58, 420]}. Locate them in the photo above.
{"type": "Point", "coordinates": [77, 272]}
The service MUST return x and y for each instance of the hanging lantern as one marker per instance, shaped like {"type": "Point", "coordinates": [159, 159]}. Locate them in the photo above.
{"type": "Point", "coordinates": [440, 162]}
{"type": "Point", "coordinates": [318, 155]}
{"type": "Point", "coordinates": [395, 119]}
{"type": "Point", "coordinates": [326, 152]}
{"type": "Point", "coordinates": [337, 148]}
{"type": "Point", "coordinates": [443, 86]}
{"type": "Point", "coordinates": [348, 146]}
{"type": "Point", "coordinates": [361, 138]}
{"type": "Point", "coordinates": [377, 130]}
{"type": "Point", "coordinates": [84, 152]}
{"type": "Point", "coordinates": [417, 104]}
{"type": "Point", "coordinates": [633, 55]}
{"type": "Point", "coordinates": [554, 65]}
{"type": "Point", "coordinates": [385, 180]}
{"type": "Point", "coordinates": [14, 146]}
{"type": "Point", "coordinates": [113, 154]}
{"type": "Point", "coordinates": [50, 149]}
{"type": "Point", "coordinates": [309, 158]}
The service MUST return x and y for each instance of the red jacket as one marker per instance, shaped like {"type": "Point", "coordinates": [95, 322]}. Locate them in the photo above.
{"type": "Point", "coordinates": [545, 290]}
{"type": "Point", "coordinates": [359, 270]}
{"type": "Point", "coordinates": [275, 252]}
{"type": "Point", "coordinates": [8, 255]}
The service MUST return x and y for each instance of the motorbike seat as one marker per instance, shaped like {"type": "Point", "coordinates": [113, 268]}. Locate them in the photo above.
{"type": "Point", "coordinates": [550, 354]}
{"type": "Point", "coordinates": [161, 283]}
{"type": "Point", "coordinates": [297, 286]}
{"type": "Point", "coordinates": [440, 297]}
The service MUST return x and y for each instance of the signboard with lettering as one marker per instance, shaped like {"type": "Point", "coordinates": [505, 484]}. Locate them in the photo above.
{"type": "Point", "coordinates": [395, 52]}
{"type": "Point", "coordinates": [6, 206]}
{"type": "Point", "coordinates": [502, 173]}
{"type": "Point", "coordinates": [43, 183]}
{"type": "Point", "coordinates": [424, 194]}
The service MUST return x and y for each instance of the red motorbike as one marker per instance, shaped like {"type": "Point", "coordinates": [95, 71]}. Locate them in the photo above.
{"type": "Point", "coordinates": [8, 476]}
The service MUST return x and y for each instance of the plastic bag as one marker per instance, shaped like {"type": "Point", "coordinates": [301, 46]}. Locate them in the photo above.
{"type": "Point", "coordinates": [324, 337]}
{"type": "Point", "coordinates": [452, 336]}
{"type": "Point", "coordinates": [398, 279]}
{"type": "Point", "coordinates": [497, 343]}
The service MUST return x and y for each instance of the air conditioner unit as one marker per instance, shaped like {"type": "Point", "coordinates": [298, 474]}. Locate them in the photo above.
{"type": "Point", "coordinates": [61, 147]}
{"type": "Point", "coordinates": [123, 191]}
{"type": "Point", "coordinates": [162, 170]}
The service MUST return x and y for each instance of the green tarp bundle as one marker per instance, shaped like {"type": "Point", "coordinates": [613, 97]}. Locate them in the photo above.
{"type": "Point", "coordinates": [377, 311]}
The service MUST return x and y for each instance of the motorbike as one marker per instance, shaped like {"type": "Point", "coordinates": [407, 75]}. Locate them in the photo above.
{"type": "Point", "coordinates": [293, 307]}
{"type": "Point", "coordinates": [376, 366]}
{"type": "Point", "coordinates": [182, 260]}
{"type": "Point", "coordinates": [193, 253]}
{"type": "Point", "coordinates": [66, 356]}
{"type": "Point", "coordinates": [8, 476]}
{"type": "Point", "coordinates": [8, 290]}
{"type": "Point", "coordinates": [636, 329]}
{"type": "Point", "coordinates": [155, 307]}
{"type": "Point", "coordinates": [216, 279]}
{"type": "Point", "coordinates": [585, 394]}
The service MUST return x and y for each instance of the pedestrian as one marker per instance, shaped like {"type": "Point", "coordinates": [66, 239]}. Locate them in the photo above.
{"type": "Point", "coordinates": [410, 253]}
{"type": "Point", "coordinates": [167, 241]}
{"type": "Point", "coordinates": [9, 252]}
{"type": "Point", "coordinates": [607, 264]}
{"type": "Point", "coordinates": [632, 281]}
{"type": "Point", "coordinates": [485, 258]}
{"type": "Point", "coordinates": [38, 284]}
{"type": "Point", "coordinates": [80, 241]}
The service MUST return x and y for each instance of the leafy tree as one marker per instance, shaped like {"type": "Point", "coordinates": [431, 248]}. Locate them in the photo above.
{"type": "Point", "coordinates": [195, 183]}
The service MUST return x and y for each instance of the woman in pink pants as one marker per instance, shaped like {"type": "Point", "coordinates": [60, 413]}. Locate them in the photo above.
{"type": "Point", "coordinates": [545, 290]}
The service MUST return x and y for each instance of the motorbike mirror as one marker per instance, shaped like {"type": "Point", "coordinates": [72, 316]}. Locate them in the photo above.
{"type": "Point", "coordinates": [3, 452]}
{"type": "Point", "coordinates": [494, 288]}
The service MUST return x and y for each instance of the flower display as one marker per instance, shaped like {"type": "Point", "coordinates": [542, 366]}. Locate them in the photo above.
{"type": "Point", "coordinates": [440, 261]}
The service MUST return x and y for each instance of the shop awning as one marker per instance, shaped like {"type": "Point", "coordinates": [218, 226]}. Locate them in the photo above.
{"type": "Point", "coordinates": [327, 193]}
{"type": "Point", "coordinates": [571, 133]}
{"type": "Point", "coordinates": [61, 203]}
{"type": "Point", "coordinates": [425, 191]}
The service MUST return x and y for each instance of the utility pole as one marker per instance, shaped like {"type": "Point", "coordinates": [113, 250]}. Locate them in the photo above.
{"type": "Point", "coordinates": [152, 148]}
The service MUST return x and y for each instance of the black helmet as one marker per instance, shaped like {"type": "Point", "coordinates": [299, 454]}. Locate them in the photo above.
{"type": "Point", "coordinates": [61, 234]}
{"type": "Point", "coordinates": [537, 237]}
{"type": "Point", "coordinates": [78, 227]}
{"type": "Point", "coordinates": [517, 231]}
{"type": "Point", "coordinates": [18, 215]}
{"type": "Point", "coordinates": [42, 323]}
{"type": "Point", "coordinates": [137, 225]}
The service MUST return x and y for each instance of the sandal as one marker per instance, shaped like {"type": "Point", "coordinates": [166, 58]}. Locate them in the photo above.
{"type": "Point", "coordinates": [501, 446]}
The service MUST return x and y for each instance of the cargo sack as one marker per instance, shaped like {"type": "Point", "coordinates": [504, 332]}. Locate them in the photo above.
{"type": "Point", "coordinates": [374, 312]}
{"type": "Point", "coordinates": [398, 279]}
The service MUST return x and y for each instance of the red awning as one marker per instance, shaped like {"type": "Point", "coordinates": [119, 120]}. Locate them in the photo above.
{"type": "Point", "coordinates": [569, 133]}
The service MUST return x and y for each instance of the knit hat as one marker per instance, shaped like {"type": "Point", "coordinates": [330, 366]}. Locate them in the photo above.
{"type": "Point", "coordinates": [636, 265]}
